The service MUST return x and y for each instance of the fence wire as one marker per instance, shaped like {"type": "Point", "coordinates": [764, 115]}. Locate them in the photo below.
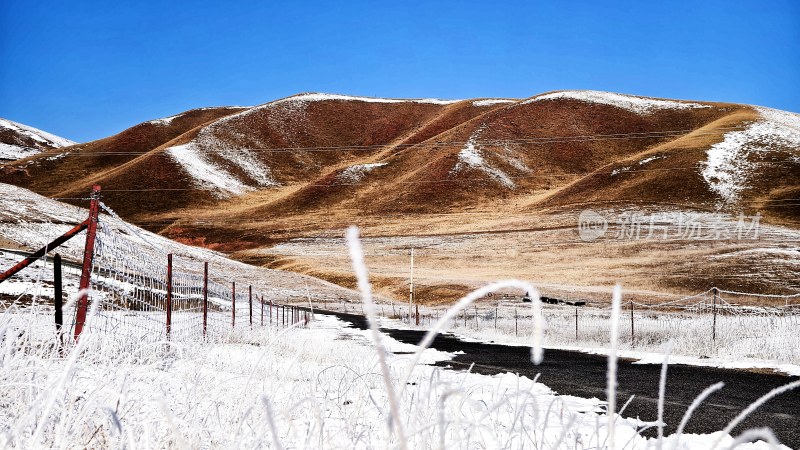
{"type": "Point", "coordinates": [135, 296]}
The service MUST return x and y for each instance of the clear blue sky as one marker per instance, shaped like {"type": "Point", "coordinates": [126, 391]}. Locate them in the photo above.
{"type": "Point", "coordinates": [85, 69]}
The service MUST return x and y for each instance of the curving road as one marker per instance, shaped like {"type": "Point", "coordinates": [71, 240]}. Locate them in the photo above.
{"type": "Point", "coordinates": [584, 375]}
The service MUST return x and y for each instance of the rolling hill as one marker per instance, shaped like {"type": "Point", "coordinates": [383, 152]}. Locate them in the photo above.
{"type": "Point", "coordinates": [19, 141]}
{"type": "Point", "coordinates": [242, 180]}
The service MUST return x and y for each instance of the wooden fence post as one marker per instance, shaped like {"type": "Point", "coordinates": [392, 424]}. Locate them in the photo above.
{"type": "Point", "coordinates": [169, 295]}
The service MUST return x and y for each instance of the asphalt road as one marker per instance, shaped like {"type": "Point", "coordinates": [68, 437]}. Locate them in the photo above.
{"type": "Point", "coordinates": [584, 375]}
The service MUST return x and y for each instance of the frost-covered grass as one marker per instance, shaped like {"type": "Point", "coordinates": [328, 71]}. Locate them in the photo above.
{"type": "Point", "coordinates": [277, 388]}
{"type": "Point", "coordinates": [757, 339]}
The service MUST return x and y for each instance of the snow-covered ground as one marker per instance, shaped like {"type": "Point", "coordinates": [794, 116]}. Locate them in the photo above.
{"type": "Point", "coordinates": [320, 387]}
{"type": "Point", "coordinates": [42, 138]}
{"type": "Point", "coordinates": [31, 221]}
{"type": "Point", "coordinates": [740, 342]}
{"type": "Point", "coordinates": [639, 105]}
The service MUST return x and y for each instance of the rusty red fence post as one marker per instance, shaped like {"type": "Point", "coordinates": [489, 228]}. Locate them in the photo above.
{"type": "Point", "coordinates": [233, 304]}
{"type": "Point", "coordinates": [205, 298]}
{"type": "Point", "coordinates": [88, 256]}
{"type": "Point", "coordinates": [250, 301]}
{"type": "Point", "coordinates": [169, 294]}
{"type": "Point", "coordinates": [33, 257]}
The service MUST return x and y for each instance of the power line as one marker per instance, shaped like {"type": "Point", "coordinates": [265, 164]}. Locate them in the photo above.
{"type": "Point", "coordinates": [447, 144]}
{"type": "Point", "coordinates": [443, 180]}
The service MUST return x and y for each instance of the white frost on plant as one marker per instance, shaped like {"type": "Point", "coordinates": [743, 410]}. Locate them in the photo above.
{"type": "Point", "coordinates": [491, 101]}
{"type": "Point", "coordinates": [470, 157]}
{"type": "Point", "coordinates": [205, 173]}
{"type": "Point", "coordinates": [639, 105]}
{"type": "Point", "coordinates": [729, 163]}
{"type": "Point", "coordinates": [356, 173]}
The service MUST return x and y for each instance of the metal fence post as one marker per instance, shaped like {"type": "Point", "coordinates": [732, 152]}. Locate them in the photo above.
{"type": "Point", "coordinates": [632, 335]}
{"type": "Point", "coordinates": [88, 257]}
{"type": "Point", "coordinates": [58, 294]}
{"type": "Point", "coordinates": [233, 304]}
{"type": "Point", "coordinates": [576, 323]}
{"type": "Point", "coordinates": [169, 294]}
{"type": "Point", "coordinates": [715, 291]}
{"type": "Point", "coordinates": [250, 301]}
{"type": "Point", "coordinates": [205, 298]}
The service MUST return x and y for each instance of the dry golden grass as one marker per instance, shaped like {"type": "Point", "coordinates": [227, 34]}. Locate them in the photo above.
{"type": "Point", "coordinates": [480, 229]}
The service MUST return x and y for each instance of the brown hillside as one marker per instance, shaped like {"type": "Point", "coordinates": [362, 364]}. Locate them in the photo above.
{"type": "Point", "coordinates": [307, 166]}
{"type": "Point", "coordinates": [68, 174]}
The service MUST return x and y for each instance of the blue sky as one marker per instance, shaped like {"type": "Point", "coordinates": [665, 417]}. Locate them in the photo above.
{"type": "Point", "coordinates": [85, 69]}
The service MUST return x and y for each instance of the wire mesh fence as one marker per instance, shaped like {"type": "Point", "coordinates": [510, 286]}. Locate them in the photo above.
{"type": "Point", "coordinates": [140, 292]}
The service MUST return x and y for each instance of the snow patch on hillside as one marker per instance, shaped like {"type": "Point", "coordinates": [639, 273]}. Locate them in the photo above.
{"type": "Point", "coordinates": [356, 173]}
{"type": "Point", "coordinates": [508, 155]}
{"type": "Point", "coordinates": [164, 121]}
{"type": "Point", "coordinates": [36, 134]}
{"type": "Point", "coordinates": [639, 105]}
{"type": "Point", "coordinates": [205, 174]}
{"type": "Point", "coordinates": [470, 157]}
{"type": "Point", "coordinates": [318, 97]}
{"type": "Point", "coordinates": [12, 152]}
{"type": "Point", "coordinates": [651, 159]}
{"type": "Point", "coordinates": [729, 163]}
{"type": "Point", "coordinates": [19, 147]}
{"type": "Point", "coordinates": [491, 101]}
{"type": "Point", "coordinates": [236, 149]}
